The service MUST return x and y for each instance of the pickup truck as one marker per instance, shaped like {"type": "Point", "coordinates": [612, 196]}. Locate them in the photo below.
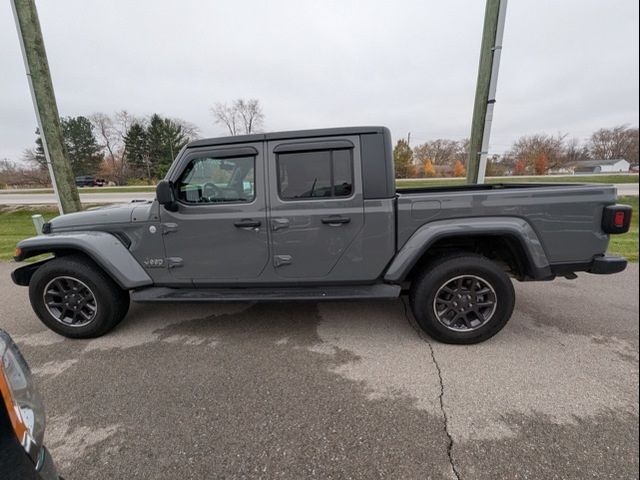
{"type": "Point", "coordinates": [315, 215]}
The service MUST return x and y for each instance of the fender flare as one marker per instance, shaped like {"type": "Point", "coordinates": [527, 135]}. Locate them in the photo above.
{"type": "Point", "coordinates": [103, 248]}
{"type": "Point", "coordinates": [423, 238]}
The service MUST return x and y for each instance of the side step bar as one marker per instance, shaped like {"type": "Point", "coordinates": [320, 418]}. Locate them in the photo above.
{"type": "Point", "coordinates": [273, 294]}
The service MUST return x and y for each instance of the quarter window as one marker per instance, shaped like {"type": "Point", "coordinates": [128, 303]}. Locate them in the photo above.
{"type": "Point", "coordinates": [218, 180]}
{"type": "Point", "coordinates": [315, 174]}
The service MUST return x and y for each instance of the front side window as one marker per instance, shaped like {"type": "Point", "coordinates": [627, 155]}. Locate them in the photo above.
{"type": "Point", "coordinates": [315, 174]}
{"type": "Point", "coordinates": [218, 180]}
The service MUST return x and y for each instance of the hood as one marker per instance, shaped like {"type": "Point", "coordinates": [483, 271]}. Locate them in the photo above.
{"type": "Point", "coordinates": [107, 215]}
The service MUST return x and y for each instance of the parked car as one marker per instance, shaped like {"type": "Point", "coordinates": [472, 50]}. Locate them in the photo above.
{"type": "Point", "coordinates": [89, 181]}
{"type": "Point", "coordinates": [85, 181]}
{"type": "Point", "coordinates": [315, 215]}
{"type": "Point", "coordinates": [23, 455]}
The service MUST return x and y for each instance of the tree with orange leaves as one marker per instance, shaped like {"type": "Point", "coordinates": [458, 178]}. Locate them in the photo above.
{"type": "Point", "coordinates": [541, 164]}
{"type": "Point", "coordinates": [458, 169]}
{"type": "Point", "coordinates": [520, 167]}
{"type": "Point", "coordinates": [429, 171]}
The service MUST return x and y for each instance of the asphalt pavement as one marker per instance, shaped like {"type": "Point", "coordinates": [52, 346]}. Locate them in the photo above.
{"type": "Point", "coordinates": [344, 390]}
{"type": "Point", "coordinates": [31, 198]}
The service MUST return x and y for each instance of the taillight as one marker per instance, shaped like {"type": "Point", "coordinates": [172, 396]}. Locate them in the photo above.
{"type": "Point", "coordinates": [616, 219]}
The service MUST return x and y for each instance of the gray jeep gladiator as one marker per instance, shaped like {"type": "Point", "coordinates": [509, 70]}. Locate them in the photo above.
{"type": "Point", "coordinates": [315, 215]}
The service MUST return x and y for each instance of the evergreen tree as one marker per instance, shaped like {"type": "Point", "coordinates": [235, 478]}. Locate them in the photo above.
{"type": "Point", "coordinates": [151, 150]}
{"type": "Point", "coordinates": [38, 154]}
{"type": "Point", "coordinates": [165, 139]}
{"type": "Point", "coordinates": [402, 159]}
{"type": "Point", "coordinates": [81, 145]}
{"type": "Point", "coordinates": [136, 149]}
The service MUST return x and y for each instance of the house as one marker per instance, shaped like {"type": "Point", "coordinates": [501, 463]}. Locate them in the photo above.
{"type": "Point", "coordinates": [618, 165]}
{"type": "Point", "coordinates": [568, 170]}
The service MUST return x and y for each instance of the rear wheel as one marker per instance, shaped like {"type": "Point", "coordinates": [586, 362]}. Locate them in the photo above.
{"type": "Point", "coordinates": [73, 297]}
{"type": "Point", "coordinates": [462, 299]}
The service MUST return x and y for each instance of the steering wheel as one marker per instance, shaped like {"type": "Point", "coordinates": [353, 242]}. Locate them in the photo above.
{"type": "Point", "coordinates": [211, 191]}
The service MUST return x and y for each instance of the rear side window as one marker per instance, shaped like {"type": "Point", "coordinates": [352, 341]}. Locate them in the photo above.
{"type": "Point", "coordinates": [315, 174]}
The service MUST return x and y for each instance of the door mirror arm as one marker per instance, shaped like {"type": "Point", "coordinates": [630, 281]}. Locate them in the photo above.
{"type": "Point", "coordinates": [165, 194]}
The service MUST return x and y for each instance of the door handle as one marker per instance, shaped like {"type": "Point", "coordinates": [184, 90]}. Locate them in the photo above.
{"type": "Point", "coordinates": [247, 223]}
{"type": "Point", "coordinates": [279, 223]}
{"type": "Point", "coordinates": [335, 221]}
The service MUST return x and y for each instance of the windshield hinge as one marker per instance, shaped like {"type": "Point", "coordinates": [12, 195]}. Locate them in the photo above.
{"type": "Point", "coordinates": [169, 228]}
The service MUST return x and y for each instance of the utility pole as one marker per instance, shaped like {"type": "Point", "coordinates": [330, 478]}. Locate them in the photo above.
{"type": "Point", "coordinates": [44, 104]}
{"type": "Point", "coordinates": [490, 50]}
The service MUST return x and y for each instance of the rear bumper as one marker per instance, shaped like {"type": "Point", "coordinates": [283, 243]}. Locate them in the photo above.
{"type": "Point", "coordinates": [605, 265]}
{"type": "Point", "coordinates": [600, 265]}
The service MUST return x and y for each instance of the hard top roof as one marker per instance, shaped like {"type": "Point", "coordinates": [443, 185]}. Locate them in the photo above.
{"type": "Point", "coordinates": [293, 134]}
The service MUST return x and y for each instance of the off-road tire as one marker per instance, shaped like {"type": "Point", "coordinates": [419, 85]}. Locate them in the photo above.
{"type": "Point", "coordinates": [436, 274]}
{"type": "Point", "coordinates": [112, 303]}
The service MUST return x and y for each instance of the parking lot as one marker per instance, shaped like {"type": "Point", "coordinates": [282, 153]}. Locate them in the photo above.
{"type": "Point", "coordinates": [344, 390]}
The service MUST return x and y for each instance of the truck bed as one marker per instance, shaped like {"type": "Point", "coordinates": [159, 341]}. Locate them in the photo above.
{"type": "Point", "coordinates": [566, 217]}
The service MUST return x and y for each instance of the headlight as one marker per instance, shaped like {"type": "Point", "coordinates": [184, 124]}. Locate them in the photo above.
{"type": "Point", "coordinates": [21, 399]}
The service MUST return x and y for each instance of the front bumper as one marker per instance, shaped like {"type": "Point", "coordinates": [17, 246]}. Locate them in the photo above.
{"type": "Point", "coordinates": [46, 468]}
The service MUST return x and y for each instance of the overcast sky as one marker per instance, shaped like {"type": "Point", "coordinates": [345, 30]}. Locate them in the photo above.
{"type": "Point", "coordinates": [567, 66]}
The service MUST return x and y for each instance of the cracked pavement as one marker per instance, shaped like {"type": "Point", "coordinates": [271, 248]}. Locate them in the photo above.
{"type": "Point", "coordinates": [344, 389]}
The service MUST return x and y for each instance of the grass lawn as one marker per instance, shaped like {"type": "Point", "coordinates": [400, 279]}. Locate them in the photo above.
{"type": "Point", "coordinates": [627, 245]}
{"type": "Point", "coordinates": [443, 182]}
{"type": "Point", "coordinates": [16, 224]}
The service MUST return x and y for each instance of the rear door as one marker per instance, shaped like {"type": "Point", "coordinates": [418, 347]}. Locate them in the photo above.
{"type": "Point", "coordinates": [219, 232]}
{"type": "Point", "coordinates": [316, 206]}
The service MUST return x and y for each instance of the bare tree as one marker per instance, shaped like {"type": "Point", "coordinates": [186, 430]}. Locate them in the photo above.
{"type": "Point", "coordinates": [108, 136]}
{"type": "Point", "coordinates": [123, 121]}
{"type": "Point", "coordinates": [190, 130]}
{"type": "Point", "coordinates": [250, 113]}
{"type": "Point", "coordinates": [111, 131]}
{"type": "Point", "coordinates": [528, 149]}
{"type": "Point", "coordinates": [20, 175]}
{"type": "Point", "coordinates": [441, 151]}
{"type": "Point", "coordinates": [241, 117]}
{"type": "Point", "coordinates": [32, 156]}
{"type": "Point", "coordinates": [575, 152]}
{"type": "Point", "coordinates": [613, 143]}
{"type": "Point", "coordinates": [225, 115]}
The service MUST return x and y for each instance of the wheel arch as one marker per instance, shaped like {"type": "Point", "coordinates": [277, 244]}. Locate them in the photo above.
{"type": "Point", "coordinates": [511, 240]}
{"type": "Point", "coordinates": [104, 249]}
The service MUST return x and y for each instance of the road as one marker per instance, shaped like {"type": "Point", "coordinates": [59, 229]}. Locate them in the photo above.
{"type": "Point", "coordinates": [29, 198]}
{"type": "Point", "coordinates": [87, 198]}
{"type": "Point", "coordinates": [344, 390]}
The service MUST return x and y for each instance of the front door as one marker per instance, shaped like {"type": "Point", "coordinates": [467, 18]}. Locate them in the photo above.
{"type": "Point", "coordinates": [218, 233]}
{"type": "Point", "coordinates": [316, 207]}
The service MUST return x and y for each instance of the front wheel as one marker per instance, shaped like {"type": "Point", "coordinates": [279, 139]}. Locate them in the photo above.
{"type": "Point", "coordinates": [73, 297]}
{"type": "Point", "coordinates": [462, 299]}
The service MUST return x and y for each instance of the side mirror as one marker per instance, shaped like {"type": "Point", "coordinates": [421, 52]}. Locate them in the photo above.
{"type": "Point", "coordinates": [166, 196]}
